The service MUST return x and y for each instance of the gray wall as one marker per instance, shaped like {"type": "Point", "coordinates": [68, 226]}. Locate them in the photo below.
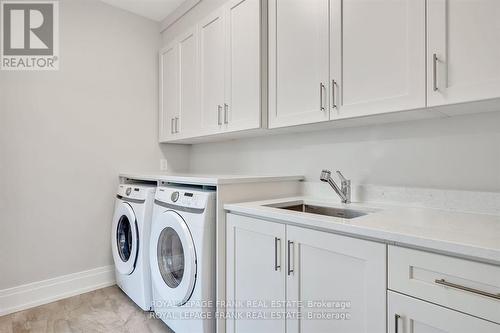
{"type": "Point", "coordinates": [461, 153]}
{"type": "Point", "coordinates": [65, 135]}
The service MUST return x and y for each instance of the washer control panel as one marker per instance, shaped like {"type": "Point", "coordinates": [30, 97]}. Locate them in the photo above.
{"type": "Point", "coordinates": [137, 192]}
{"type": "Point", "coordinates": [191, 198]}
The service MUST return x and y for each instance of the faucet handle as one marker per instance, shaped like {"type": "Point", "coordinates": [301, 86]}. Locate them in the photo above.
{"type": "Point", "coordinates": [342, 178]}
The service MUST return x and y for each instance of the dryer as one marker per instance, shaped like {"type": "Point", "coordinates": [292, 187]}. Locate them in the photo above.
{"type": "Point", "coordinates": [182, 258]}
{"type": "Point", "coordinates": [130, 234]}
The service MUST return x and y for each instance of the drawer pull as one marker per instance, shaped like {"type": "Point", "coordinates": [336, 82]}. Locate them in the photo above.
{"type": "Point", "coordinates": [445, 283]}
{"type": "Point", "coordinates": [226, 117]}
{"type": "Point", "coordinates": [435, 61]}
{"type": "Point", "coordinates": [219, 111]}
{"type": "Point", "coordinates": [334, 103]}
{"type": "Point", "coordinates": [321, 88]}
{"type": "Point", "coordinates": [290, 250]}
{"type": "Point", "coordinates": [276, 265]}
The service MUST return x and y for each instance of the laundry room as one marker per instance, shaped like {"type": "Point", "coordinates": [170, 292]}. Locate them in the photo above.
{"type": "Point", "coordinates": [241, 166]}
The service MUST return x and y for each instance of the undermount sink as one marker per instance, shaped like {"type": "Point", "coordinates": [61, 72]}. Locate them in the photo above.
{"type": "Point", "coordinates": [322, 210]}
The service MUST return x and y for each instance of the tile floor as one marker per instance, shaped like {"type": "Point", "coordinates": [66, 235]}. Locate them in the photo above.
{"type": "Point", "coordinates": [105, 310]}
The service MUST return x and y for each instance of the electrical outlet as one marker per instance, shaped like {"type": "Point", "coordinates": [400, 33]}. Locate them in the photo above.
{"type": "Point", "coordinates": [163, 165]}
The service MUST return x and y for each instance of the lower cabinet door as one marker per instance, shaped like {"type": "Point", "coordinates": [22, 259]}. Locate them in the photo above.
{"type": "Point", "coordinates": [255, 275]}
{"type": "Point", "coordinates": [410, 315]}
{"type": "Point", "coordinates": [335, 283]}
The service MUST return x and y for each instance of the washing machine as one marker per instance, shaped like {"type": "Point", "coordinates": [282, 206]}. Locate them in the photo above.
{"type": "Point", "coordinates": [130, 236]}
{"type": "Point", "coordinates": [182, 258]}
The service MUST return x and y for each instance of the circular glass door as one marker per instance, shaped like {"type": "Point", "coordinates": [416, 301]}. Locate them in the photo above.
{"type": "Point", "coordinates": [124, 239]}
{"type": "Point", "coordinates": [173, 258]}
{"type": "Point", "coordinates": [170, 254]}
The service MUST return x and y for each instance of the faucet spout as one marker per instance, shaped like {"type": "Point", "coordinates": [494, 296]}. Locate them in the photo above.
{"type": "Point", "coordinates": [344, 192]}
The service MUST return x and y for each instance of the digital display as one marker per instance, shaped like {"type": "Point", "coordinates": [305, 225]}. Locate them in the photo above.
{"type": "Point", "coordinates": [188, 194]}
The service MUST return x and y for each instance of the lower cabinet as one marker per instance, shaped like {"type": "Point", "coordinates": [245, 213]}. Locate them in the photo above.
{"type": "Point", "coordinates": [289, 279]}
{"type": "Point", "coordinates": [255, 273]}
{"type": "Point", "coordinates": [463, 285]}
{"type": "Point", "coordinates": [339, 281]}
{"type": "Point", "coordinates": [410, 315]}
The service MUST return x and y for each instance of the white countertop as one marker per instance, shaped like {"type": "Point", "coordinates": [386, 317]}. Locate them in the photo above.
{"type": "Point", "coordinates": [209, 179]}
{"type": "Point", "coordinates": [474, 236]}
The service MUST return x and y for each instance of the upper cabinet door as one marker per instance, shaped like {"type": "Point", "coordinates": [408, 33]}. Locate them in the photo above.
{"type": "Point", "coordinates": [298, 62]}
{"type": "Point", "coordinates": [212, 58]}
{"type": "Point", "coordinates": [377, 56]}
{"type": "Point", "coordinates": [169, 92]}
{"type": "Point", "coordinates": [333, 268]}
{"type": "Point", "coordinates": [463, 50]}
{"type": "Point", "coordinates": [189, 117]}
{"type": "Point", "coordinates": [242, 109]}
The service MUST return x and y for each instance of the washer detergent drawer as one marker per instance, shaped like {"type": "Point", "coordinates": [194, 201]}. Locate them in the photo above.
{"type": "Point", "coordinates": [459, 284]}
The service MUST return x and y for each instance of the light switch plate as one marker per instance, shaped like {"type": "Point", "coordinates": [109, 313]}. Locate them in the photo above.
{"type": "Point", "coordinates": [163, 164]}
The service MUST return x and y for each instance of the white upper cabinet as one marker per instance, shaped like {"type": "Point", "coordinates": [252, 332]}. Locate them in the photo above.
{"type": "Point", "coordinates": [463, 50]}
{"type": "Point", "coordinates": [377, 56]}
{"type": "Point", "coordinates": [212, 71]}
{"type": "Point", "coordinates": [298, 62]}
{"type": "Point", "coordinates": [332, 59]}
{"type": "Point", "coordinates": [335, 269]}
{"type": "Point", "coordinates": [253, 64]}
{"type": "Point", "coordinates": [169, 92]}
{"type": "Point", "coordinates": [179, 104]}
{"type": "Point", "coordinates": [242, 109]}
{"type": "Point", "coordinates": [219, 81]}
{"type": "Point", "coordinates": [189, 107]}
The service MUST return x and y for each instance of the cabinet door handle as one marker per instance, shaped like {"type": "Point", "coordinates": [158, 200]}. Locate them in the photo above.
{"type": "Point", "coordinates": [445, 283]}
{"type": "Point", "coordinates": [435, 61]}
{"type": "Point", "coordinates": [396, 323]}
{"type": "Point", "coordinates": [321, 89]}
{"type": "Point", "coordinates": [219, 111]}
{"type": "Point", "coordinates": [172, 126]}
{"type": "Point", "coordinates": [290, 269]}
{"type": "Point", "coordinates": [226, 113]}
{"type": "Point", "coordinates": [276, 265]}
{"type": "Point", "coordinates": [176, 124]}
{"type": "Point", "coordinates": [334, 84]}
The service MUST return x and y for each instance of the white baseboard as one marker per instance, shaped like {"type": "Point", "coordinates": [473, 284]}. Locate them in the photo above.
{"type": "Point", "coordinates": [42, 292]}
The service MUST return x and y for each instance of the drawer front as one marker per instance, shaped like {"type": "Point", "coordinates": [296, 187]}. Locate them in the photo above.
{"type": "Point", "coordinates": [410, 315]}
{"type": "Point", "coordinates": [464, 285]}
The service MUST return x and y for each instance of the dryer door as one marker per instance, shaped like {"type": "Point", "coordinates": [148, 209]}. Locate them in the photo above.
{"type": "Point", "coordinates": [173, 258]}
{"type": "Point", "coordinates": [124, 238]}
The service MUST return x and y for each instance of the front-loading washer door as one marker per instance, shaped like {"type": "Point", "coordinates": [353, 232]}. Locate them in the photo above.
{"type": "Point", "coordinates": [124, 239]}
{"type": "Point", "coordinates": [173, 258]}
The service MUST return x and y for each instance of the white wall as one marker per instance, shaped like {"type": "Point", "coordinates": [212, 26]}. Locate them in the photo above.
{"type": "Point", "coordinates": [65, 135]}
{"type": "Point", "coordinates": [461, 153]}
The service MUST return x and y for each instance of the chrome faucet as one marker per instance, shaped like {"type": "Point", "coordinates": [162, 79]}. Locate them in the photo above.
{"type": "Point", "coordinates": [344, 191]}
